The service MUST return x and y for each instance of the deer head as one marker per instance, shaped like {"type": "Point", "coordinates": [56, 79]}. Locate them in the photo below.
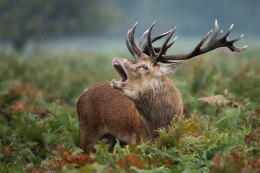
{"type": "Point", "coordinates": [151, 64]}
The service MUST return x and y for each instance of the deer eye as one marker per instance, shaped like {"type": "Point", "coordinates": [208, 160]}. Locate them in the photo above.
{"type": "Point", "coordinates": [145, 67]}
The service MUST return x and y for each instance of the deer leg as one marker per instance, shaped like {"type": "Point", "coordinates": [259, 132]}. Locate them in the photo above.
{"type": "Point", "coordinates": [87, 140]}
{"type": "Point", "coordinates": [87, 143]}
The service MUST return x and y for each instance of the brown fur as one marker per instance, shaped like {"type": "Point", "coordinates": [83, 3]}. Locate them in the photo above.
{"type": "Point", "coordinates": [104, 112]}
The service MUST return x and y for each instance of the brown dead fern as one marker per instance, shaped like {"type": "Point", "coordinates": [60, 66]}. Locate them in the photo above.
{"type": "Point", "coordinates": [224, 100]}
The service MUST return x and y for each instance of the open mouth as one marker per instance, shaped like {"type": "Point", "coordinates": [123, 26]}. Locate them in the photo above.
{"type": "Point", "coordinates": [120, 70]}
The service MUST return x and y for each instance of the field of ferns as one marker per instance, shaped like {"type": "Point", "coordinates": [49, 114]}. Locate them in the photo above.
{"type": "Point", "coordinates": [39, 130]}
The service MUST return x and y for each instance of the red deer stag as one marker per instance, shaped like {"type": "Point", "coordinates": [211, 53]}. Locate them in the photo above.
{"type": "Point", "coordinates": [144, 100]}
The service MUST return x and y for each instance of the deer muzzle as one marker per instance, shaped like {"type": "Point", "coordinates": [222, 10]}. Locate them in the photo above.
{"type": "Point", "coordinates": [117, 63]}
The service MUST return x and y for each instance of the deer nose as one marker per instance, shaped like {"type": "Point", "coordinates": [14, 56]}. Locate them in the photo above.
{"type": "Point", "coordinates": [116, 60]}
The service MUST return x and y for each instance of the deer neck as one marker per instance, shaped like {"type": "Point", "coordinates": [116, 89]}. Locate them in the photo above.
{"type": "Point", "coordinates": [159, 104]}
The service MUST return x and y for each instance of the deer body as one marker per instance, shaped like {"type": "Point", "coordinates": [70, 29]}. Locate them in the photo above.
{"type": "Point", "coordinates": [144, 99]}
{"type": "Point", "coordinates": [104, 112]}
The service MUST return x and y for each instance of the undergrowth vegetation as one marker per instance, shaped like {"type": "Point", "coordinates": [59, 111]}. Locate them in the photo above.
{"type": "Point", "coordinates": [39, 130]}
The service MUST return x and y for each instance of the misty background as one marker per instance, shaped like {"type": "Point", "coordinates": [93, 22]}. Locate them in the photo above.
{"type": "Point", "coordinates": [66, 26]}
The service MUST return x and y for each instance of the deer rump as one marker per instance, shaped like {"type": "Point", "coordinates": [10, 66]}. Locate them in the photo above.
{"type": "Point", "coordinates": [144, 99]}
{"type": "Point", "coordinates": [106, 113]}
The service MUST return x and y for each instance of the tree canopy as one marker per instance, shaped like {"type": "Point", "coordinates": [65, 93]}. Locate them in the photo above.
{"type": "Point", "coordinates": [21, 20]}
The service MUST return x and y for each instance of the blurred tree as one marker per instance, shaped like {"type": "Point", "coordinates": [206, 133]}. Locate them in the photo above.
{"type": "Point", "coordinates": [21, 20]}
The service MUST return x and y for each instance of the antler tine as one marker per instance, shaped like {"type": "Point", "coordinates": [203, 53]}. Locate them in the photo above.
{"type": "Point", "coordinates": [149, 42]}
{"type": "Point", "coordinates": [141, 42]}
{"type": "Point", "coordinates": [203, 40]}
{"type": "Point", "coordinates": [228, 31]}
{"type": "Point", "coordinates": [155, 38]}
{"type": "Point", "coordinates": [216, 41]}
{"type": "Point", "coordinates": [216, 33]}
{"type": "Point", "coordinates": [216, 25]}
{"type": "Point", "coordinates": [143, 45]}
{"type": "Point", "coordinates": [129, 45]}
{"type": "Point", "coordinates": [164, 46]}
{"type": "Point", "coordinates": [238, 38]}
{"type": "Point", "coordinates": [136, 50]}
{"type": "Point", "coordinates": [237, 49]}
{"type": "Point", "coordinates": [157, 49]}
{"type": "Point", "coordinates": [171, 43]}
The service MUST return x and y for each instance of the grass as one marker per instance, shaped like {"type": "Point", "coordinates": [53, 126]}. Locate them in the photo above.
{"type": "Point", "coordinates": [39, 129]}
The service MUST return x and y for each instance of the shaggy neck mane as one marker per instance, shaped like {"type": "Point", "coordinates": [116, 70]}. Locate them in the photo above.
{"type": "Point", "coordinates": [159, 104]}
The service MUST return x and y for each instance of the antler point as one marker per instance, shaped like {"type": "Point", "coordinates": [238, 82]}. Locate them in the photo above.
{"type": "Point", "coordinates": [216, 24]}
{"type": "Point", "coordinates": [231, 26]}
{"type": "Point", "coordinates": [133, 27]}
{"type": "Point", "coordinates": [152, 25]}
{"type": "Point", "coordinates": [210, 32]}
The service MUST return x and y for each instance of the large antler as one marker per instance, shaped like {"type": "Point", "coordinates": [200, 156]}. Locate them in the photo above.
{"type": "Point", "coordinates": [216, 41]}
{"type": "Point", "coordinates": [157, 54]}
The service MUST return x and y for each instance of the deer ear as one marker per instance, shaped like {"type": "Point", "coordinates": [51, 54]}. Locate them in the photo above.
{"type": "Point", "coordinates": [168, 68]}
